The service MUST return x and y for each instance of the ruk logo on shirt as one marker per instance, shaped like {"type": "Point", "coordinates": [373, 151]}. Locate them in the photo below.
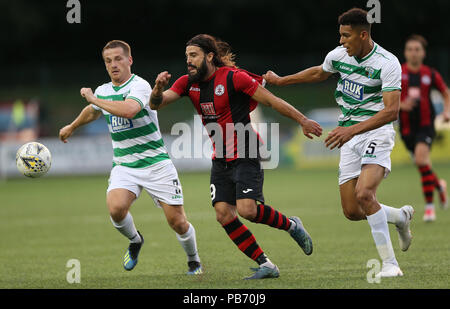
{"type": "Point", "coordinates": [119, 123]}
{"type": "Point", "coordinates": [353, 89]}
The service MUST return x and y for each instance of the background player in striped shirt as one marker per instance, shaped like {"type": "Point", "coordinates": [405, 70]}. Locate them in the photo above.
{"type": "Point", "coordinates": [140, 159]}
{"type": "Point", "coordinates": [417, 117]}
{"type": "Point", "coordinates": [368, 94]}
{"type": "Point", "coordinates": [224, 96]}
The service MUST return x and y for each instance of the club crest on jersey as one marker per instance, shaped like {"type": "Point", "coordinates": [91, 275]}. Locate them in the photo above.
{"type": "Point", "coordinates": [208, 108]}
{"type": "Point", "coordinates": [220, 89]}
{"type": "Point", "coordinates": [353, 89]}
{"type": "Point", "coordinates": [370, 72]}
{"type": "Point", "coordinates": [426, 79]}
{"type": "Point", "coordinates": [119, 123]}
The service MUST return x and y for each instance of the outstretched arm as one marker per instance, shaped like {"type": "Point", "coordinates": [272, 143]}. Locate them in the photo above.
{"type": "Point", "coordinates": [88, 114]}
{"type": "Point", "coordinates": [265, 97]}
{"type": "Point", "coordinates": [159, 97]}
{"type": "Point", "coordinates": [127, 109]}
{"type": "Point", "coordinates": [341, 135]}
{"type": "Point", "coordinates": [311, 75]}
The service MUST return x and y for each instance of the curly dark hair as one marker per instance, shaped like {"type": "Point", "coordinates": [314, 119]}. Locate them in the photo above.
{"type": "Point", "coordinates": [220, 49]}
{"type": "Point", "coordinates": [355, 17]}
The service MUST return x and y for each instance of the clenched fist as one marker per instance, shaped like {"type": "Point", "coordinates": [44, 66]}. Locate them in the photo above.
{"type": "Point", "coordinates": [65, 133]}
{"type": "Point", "coordinates": [87, 94]}
{"type": "Point", "coordinates": [162, 80]}
{"type": "Point", "coordinates": [271, 78]}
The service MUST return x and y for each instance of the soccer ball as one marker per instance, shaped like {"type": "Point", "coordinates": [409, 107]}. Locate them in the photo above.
{"type": "Point", "coordinates": [33, 159]}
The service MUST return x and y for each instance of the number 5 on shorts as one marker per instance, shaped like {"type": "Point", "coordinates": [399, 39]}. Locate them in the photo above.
{"type": "Point", "coordinates": [371, 148]}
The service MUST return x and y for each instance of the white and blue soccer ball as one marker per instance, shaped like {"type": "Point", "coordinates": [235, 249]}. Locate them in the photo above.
{"type": "Point", "coordinates": [33, 159]}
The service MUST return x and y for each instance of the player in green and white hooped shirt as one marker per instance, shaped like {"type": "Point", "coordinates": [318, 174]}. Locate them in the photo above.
{"type": "Point", "coordinates": [368, 94]}
{"type": "Point", "coordinates": [140, 159]}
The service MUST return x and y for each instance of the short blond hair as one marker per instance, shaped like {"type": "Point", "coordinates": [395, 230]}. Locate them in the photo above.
{"type": "Point", "coordinates": [118, 43]}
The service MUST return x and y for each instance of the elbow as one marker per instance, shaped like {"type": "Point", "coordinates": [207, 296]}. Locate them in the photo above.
{"type": "Point", "coordinates": [393, 115]}
{"type": "Point", "coordinates": [266, 103]}
{"type": "Point", "coordinates": [318, 77]}
{"type": "Point", "coordinates": [130, 114]}
{"type": "Point", "coordinates": [393, 118]}
{"type": "Point", "coordinates": [319, 74]}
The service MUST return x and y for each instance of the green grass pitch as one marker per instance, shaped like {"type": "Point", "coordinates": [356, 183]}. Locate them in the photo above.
{"type": "Point", "coordinates": [48, 221]}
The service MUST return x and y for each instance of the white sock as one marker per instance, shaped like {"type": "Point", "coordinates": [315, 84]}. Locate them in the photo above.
{"type": "Point", "coordinates": [394, 215]}
{"type": "Point", "coordinates": [268, 263]}
{"type": "Point", "coordinates": [126, 227]}
{"type": "Point", "coordinates": [189, 243]}
{"type": "Point", "coordinates": [380, 233]}
{"type": "Point", "coordinates": [293, 225]}
{"type": "Point", "coordinates": [429, 206]}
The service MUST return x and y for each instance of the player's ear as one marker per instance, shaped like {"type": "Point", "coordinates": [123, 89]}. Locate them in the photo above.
{"type": "Point", "coordinates": [364, 35]}
{"type": "Point", "coordinates": [210, 56]}
{"type": "Point", "coordinates": [130, 59]}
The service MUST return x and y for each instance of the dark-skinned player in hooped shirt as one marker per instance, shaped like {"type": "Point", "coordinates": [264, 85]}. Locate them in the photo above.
{"type": "Point", "coordinates": [224, 94]}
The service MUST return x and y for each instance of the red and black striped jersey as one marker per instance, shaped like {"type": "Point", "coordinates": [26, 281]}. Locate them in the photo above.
{"type": "Point", "coordinates": [225, 99]}
{"type": "Point", "coordinates": [417, 86]}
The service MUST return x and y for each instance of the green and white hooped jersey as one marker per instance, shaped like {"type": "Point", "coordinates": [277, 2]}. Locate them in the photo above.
{"type": "Point", "coordinates": [137, 142]}
{"type": "Point", "coordinates": [359, 91]}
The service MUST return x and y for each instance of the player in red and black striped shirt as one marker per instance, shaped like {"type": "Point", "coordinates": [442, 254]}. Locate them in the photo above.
{"type": "Point", "coordinates": [417, 117]}
{"type": "Point", "coordinates": [224, 96]}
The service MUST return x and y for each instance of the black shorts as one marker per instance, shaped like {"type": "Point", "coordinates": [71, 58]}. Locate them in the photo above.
{"type": "Point", "coordinates": [237, 179]}
{"type": "Point", "coordinates": [423, 135]}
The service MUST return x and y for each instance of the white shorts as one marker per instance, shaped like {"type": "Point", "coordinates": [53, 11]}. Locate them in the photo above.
{"type": "Point", "coordinates": [159, 180]}
{"type": "Point", "coordinates": [372, 147]}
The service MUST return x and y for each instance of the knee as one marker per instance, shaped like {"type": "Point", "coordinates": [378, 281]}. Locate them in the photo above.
{"type": "Point", "coordinates": [419, 161]}
{"type": "Point", "coordinates": [247, 209]}
{"type": "Point", "coordinates": [178, 223]}
{"type": "Point", "coordinates": [364, 196]}
{"type": "Point", "coordinates": [353, 215]}
{"type": "Point", "coordinates": [119, 202]}
{"type": "Point", "coordinates": [224, 216]}
{"type": "Point", "coordinates": [117, 211]}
